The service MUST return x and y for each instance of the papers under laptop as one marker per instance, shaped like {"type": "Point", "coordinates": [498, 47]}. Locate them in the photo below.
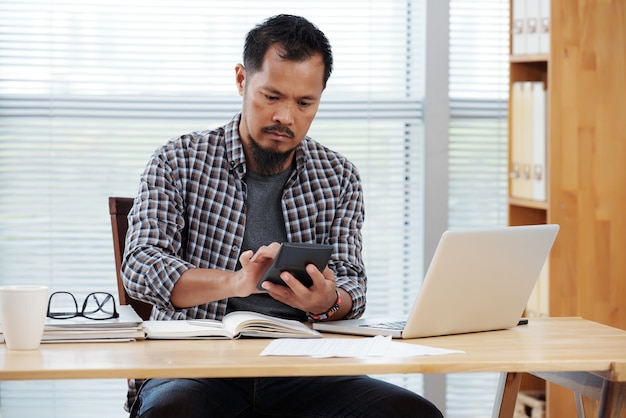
{"type": "Point", "coordinates": [478, 280]}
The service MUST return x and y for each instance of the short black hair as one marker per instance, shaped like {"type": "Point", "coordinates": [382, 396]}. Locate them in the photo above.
{"type": "Point", "coordinates": [298, 39]}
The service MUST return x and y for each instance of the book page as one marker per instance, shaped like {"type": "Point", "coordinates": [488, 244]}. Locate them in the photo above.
{"type": "Point", "coordinates": [253, 324]}
{"type": "Point", "coordinates": [182, 329]}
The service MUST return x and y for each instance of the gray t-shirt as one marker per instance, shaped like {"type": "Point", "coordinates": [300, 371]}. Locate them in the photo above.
{"type": "Point", "coordinates": [264, 225]}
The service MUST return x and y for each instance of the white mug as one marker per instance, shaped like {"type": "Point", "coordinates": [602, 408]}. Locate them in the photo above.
{"type": "Point", "coordinates": [23, 315]}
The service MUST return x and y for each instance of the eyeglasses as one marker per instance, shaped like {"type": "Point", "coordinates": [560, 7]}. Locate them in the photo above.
{"type": "Point", "coordinates": [97, 305]}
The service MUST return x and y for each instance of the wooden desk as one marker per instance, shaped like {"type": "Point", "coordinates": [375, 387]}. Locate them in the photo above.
{"type": "Point", "coordinates": [587, 357]}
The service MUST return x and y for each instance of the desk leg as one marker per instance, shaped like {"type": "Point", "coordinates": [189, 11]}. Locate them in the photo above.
{"type": "Point", "coordinates": [612, 395]}
{"type": "Point", "coordinates": [613, 400]}
{"type": "Point", "coordinates": [506, 396]}
{"type": "Point", "coordinates": [585, 406]}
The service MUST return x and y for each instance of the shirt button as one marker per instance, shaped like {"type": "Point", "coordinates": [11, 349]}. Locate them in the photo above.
{"type": "Point", "coordinates": [235, 249]}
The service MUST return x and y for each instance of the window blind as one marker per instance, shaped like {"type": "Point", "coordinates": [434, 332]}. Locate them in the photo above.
{"type": "Point", "coordinates": [89, 89]}
{"type": "Point", "coordinates": [477, 152]}
{"type": "Point", "coordinates": [479, 39]}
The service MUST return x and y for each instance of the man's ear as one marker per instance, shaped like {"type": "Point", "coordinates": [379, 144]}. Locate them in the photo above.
{"type": "Point", "coordinates": [240, 78]}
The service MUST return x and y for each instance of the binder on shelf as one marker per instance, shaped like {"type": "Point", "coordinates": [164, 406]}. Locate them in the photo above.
{"type": "Point", "coordinates": [532, 26]}
{"type": "Point", "coordinates": [517, 137]}
{"type": "Point", "coordinates": [544, 26]}
{"type": "Point", "coordinates": [526, 185]}
{"type": "Point", "coordinates": [539, 302]}
{"type": "Point", "coordinates": [518, 24]}
{"type": "Point", "coordinates": [539, 137]}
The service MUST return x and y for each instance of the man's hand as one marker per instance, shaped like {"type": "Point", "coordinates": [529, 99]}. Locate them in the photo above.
{"type": "Point", "coordinates": [198, 286]}
{"type": "Point", "coordinates": [253, 266]}
{"type": "Point", "coordinates": [318, 298]}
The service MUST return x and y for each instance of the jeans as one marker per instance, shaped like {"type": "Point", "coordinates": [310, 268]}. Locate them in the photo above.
{"type": "Point", "coordinates": [309, 397]}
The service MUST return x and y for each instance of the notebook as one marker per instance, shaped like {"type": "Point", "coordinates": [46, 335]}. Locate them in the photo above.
{"type": "Point", "coordinates": [478, 280]}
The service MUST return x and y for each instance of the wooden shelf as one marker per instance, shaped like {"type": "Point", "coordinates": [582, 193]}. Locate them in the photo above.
{"type": "Point", "coordinates": [527, 68]}
{"type": "Point", "coordinates": [530, 58]}
{"type": "Point", "coordinates": [528, 71]}
{"type": "Point", "coordinates": [534, 204]}
{"type": "Point", "coordinates": [527, 215]}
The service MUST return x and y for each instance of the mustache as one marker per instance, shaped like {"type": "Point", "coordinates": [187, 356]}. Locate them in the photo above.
{"type": "Point", "coordinates": [279, 129]}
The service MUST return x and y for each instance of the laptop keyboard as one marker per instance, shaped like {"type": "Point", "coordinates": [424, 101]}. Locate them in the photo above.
{"type": "Point", "coordinates": [397, 325]}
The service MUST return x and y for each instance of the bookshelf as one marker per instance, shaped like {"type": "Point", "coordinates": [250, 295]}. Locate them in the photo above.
{"type": "Point", "coordinates": [585, 74]}
{"type": "Point", "coordinates": [524, 211]}
{"type": "Point", "coordinates": [527, 68]}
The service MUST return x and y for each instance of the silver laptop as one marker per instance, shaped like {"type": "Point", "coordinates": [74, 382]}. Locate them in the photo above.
{"type": "Point", "coordinates": [478, 280]}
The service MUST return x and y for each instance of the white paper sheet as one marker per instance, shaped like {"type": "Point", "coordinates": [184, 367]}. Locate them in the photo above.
{"type": "Point", "coordinates": [349, 347]}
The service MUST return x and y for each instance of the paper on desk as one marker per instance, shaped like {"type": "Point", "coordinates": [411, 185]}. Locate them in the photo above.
{"type": "Point", "coordinates": [378, 346]}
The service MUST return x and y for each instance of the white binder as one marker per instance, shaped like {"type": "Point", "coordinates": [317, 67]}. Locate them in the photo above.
{"type": "Point", "coordinates": [527, 184]}
{"type": "Point", "coordinates": [517, 139]}
{"type": "Point", "coordinates": [518, 25]}
{"type": "Point", "coordinates": [544, 26]}
{"type": "Point", "coordinates": [532, 26]}
{"type": "Point", "coordinates": [539, 178]}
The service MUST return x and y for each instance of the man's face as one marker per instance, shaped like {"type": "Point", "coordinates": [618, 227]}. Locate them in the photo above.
{"type": "Point", "coordinates": [279, 104]}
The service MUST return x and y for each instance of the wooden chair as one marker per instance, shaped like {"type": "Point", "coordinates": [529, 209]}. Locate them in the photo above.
{"type": "Point", "coordinates": [118, 209]}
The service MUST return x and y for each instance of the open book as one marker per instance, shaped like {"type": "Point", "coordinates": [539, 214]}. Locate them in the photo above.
{"type": "Point", "coordinates": [233, 325]}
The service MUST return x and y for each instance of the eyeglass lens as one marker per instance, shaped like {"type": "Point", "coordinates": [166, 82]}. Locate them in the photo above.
{"type": "Point", "coordinates": [97, 305]}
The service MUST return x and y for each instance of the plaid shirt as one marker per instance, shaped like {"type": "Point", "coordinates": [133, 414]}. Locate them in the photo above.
{"type": "Point", "coordinates": [190, 213]}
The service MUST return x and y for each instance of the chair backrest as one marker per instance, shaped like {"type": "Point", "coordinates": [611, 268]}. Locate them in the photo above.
{"type": "Point", "coordinates": [118, 209]}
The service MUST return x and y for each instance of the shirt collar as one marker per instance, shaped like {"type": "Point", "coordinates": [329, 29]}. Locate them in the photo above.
{"type": "Point", "coordinates": [234, 148]}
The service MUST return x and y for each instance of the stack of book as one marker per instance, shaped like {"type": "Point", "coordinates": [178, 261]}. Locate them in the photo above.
{"type": "Point", "coordinates": [127, 327]}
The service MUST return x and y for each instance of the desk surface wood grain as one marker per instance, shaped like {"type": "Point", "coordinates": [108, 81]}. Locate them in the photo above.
{"type": "Point", "coordinates": [553, 344]}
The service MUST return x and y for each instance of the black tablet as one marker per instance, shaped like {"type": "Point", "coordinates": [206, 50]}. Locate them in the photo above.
{"type": "Point", "coordinates": [294, 257]}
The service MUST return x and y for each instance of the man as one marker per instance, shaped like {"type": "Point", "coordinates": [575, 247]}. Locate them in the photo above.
{"type": "Point", "coordinates": [211, 209]}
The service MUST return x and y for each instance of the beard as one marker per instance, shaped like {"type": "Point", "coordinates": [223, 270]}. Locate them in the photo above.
{"type": "Point", "coordinates": [268, 162]}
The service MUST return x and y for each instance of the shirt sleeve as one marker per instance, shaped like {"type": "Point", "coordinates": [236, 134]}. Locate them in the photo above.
{"type": "Point", "coordinates": [346, 235]}
{"type": "Point", "coordinates": [324, 204]}
{"type": "Point", "coordinates": [151, 264]}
